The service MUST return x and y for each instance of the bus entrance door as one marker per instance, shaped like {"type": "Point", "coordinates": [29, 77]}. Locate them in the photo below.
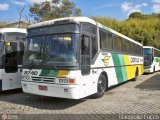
{"type": "Point", "coordinates": [85, 55]}
{"type": "Point", "coordinates": [11, 57]}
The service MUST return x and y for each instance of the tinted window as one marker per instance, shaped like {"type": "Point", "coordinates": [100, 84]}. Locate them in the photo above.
{"type": "Point", "coordinates": [156, 53]}
{"type": "Point", "coordinates": [15, 36]}
{"type": "Point", "coordinates": [110, 41]}
{"type": "Point", "coordinates": [118, 43]}
{"type": "Point", "coordinates": [126, 46]}
{"type": "Point", "coordinates": [147, 51]}
{"type": "Point", "coordinates": [92, 31]}
{"type": "Point", "coordinates": [1, 37]}
{"type": "Point", "coordinates": [68, 28]}
{"type": "Point", "coordinates": [106, 40]}
{"type": "Point", "coordinates": [89, 28]}
{"type": "Point", "coordinates": [20, 53]}
{"type": "Point", "coordinates": [85, 43]}
{"type": "Point", "coordinates": [132, 48]}
{"type": "Point", "coordinates": [94, 46]}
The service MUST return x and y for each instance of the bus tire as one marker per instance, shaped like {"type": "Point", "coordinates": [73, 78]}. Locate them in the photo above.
{"type": "Point", "coordinates": [154, 69]}
{"type": "Point", "coordinates": [101, 86]}
{"type": "Point", "coordinates": [136, 75]}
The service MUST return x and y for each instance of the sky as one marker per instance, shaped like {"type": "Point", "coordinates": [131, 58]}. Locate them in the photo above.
{"type": "Point", "coordinates": [116, 9]}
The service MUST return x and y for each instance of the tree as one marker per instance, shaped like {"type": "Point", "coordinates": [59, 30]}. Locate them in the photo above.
{"type": "Point", "coordinates": [54, 9]}
{"type": "Point", "coordinates": [135, 15]}
{"type": "Point", "coordinates": [20, 11]}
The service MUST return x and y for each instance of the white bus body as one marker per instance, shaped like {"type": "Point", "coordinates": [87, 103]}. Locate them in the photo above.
{"type": "Point", "coordinates": [11, 55]}
{"type": "Point", "coordinates": [69, 58]}
{"type": "Point", "coordinates": [151, 59]}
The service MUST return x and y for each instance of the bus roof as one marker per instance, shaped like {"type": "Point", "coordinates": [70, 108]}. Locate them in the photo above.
{"type": "Point", "coordinates": [82, 19]}
{"type": "Point", "coordinates": [150, 47]}
{"type": "Point", "coordinates": [75, 19]}
{"type": "Point", "coordinates": [19, 30]}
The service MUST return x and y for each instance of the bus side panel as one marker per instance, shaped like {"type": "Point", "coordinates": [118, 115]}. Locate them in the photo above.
{"type": "Point", "coordinates": [104, 62]}
{"type": "Point", "coordinates": [129, 68]}
{"type": "Point", "coordinates": [112, 79]}
{"type": "Point", "coordinates": [124, 71]}
{"type": "Point", "coordinates": [140, 69]}
{"type": "Point", "coordinates": [11, 80]}
{"type": "Point", "coordinates": [156, 63]}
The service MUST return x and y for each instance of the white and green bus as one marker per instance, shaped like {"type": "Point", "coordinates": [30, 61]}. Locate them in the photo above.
{"type": "Point", "coordinates": [77, 57]}
{"type": "Point", "coordinates": [11, 57]}
{"type": "Point", "coordinates": [151, 59]}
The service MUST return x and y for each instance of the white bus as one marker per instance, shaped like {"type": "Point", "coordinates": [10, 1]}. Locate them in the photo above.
{"type": "Point", "coordinates": [77, 57]}
{"type": "Point", "coordinates": [151, 59]}
{"type": "Point", "coordinates": [11, 57]}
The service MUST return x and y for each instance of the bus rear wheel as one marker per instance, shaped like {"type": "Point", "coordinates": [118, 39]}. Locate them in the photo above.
{"type": "Point", "coordinates": [101, 86]}
{"type": "Point", "coordinates": [136, 75]}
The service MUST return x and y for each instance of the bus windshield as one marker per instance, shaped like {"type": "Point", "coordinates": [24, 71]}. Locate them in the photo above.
{"type": "Point", "coordinates": [15, 36]}
{"type": "Point", "coordinates": [148, 56]}
{"type": "Point", "coordinates": [51, 49]}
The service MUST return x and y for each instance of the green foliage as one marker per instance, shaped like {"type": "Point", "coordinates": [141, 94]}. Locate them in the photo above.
{"type": "Point", "coordinates": [55, 9]}
{"type": "Point", "coordinates": [135, 15]}
{"type": "Point", "coordinates": [4, 25]}
{"type": "Point", "coordinates": [142, 28]}
{"type": "Point", "coordinates": [138, 15]}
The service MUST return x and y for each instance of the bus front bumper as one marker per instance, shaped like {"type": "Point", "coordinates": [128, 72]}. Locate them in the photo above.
{"type": "Point", "coordinates": [54, 90]}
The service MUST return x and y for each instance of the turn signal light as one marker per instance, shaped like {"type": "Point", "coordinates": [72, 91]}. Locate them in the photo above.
{"type": "Point", "coordinates": [71, 81]}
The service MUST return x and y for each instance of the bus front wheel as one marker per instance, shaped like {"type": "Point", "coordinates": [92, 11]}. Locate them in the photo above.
{"type": "Point", "coordinates": [154, 69]}
{"type": "Point", "coordinates": [101, 86]}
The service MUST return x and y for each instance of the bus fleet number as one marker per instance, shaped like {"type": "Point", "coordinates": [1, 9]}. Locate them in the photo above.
{"type": "Point", "coordinates": [31, 72]}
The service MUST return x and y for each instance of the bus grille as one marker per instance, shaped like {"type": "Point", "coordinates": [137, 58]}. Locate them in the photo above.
{"type": "Point", "coordinates": [43, 79]}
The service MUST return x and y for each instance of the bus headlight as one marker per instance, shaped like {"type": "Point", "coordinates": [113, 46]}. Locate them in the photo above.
{"type": "Point", "coordinates": [63, 80]}
{"type": "Point", "coordinates": [25, 77]}
{"type": "Point", "coordinates": [67, 81]}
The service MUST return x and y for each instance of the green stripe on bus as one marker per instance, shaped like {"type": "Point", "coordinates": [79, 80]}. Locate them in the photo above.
{"type": "Point", "coordinates": [48, 73]}
{"type": "Point", "coordinates": [119, 70]}
{"type": "Point", "coordinates": [124, 72]}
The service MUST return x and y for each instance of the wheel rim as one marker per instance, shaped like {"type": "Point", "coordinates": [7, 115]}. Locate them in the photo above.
{"type": "Point", "coordinates": [101, 85]}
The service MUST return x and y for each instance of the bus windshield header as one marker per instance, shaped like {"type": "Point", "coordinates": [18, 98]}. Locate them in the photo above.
{"type": "Point", "coordinates": [147, 51]}
{"type": "Point", "coordinates": [54, 29]}
{"type": "Point", "coordinates": [15, 36]}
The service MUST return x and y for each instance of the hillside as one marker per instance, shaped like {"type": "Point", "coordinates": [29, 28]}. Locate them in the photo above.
{"type": "Point", "coordinates": [142, 28]}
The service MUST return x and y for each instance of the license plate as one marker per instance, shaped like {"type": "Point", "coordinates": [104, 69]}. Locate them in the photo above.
{"type": "Point", "coordinates": [43, 87]}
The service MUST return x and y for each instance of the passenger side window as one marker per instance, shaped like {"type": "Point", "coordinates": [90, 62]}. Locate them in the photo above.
{"type": "Point", "coordinates": [106, 40]}
{"type": "Point", "coordinates": [117, 43]}
{"type": "Point", "coordinates": [110, 41]}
